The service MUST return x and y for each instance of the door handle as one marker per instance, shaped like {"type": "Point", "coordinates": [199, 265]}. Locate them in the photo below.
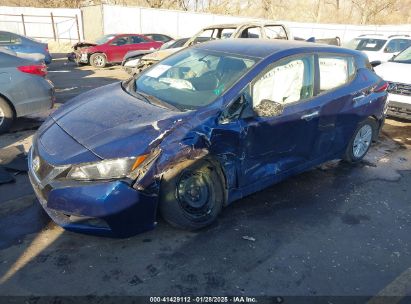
{"type": "Point", "coordinates": [359, 97]}
{"type": "Point", "coordinates": [310, 116]}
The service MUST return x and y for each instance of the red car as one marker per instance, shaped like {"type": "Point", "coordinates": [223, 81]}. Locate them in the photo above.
{"type": "Point", "coordinates": [112, 48]}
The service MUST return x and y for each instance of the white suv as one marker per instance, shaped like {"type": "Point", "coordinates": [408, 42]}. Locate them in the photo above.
{"type": "Point", "coordinates": [397, 72]}
{"type": "Point", "coordinates": [380, 47]}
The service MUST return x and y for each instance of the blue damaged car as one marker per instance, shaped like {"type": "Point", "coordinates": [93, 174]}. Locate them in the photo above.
{"type": "Point", "coordinates": [201, 129]}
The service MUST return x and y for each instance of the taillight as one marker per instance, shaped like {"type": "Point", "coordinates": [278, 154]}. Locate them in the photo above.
{"type": "Point", "coordinates": [381, 87]}
{"type": "Point", "coordinates": [35, 69]}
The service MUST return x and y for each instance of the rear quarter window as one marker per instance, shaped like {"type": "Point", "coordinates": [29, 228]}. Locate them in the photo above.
{"type": "Point", "coordinates": [335, 71]}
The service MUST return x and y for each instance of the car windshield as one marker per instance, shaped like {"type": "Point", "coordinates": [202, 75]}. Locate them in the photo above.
{"type": "Point", "coordinates": [404, 56]}
{"type": "Point", "coordinates": [366, 44]}
{"type": "Point", "coordinates": [104, 39]}
{"type": "Point", "coordinates": [192, 78]}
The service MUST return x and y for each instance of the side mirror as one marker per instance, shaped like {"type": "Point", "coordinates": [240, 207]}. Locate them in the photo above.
{"type": "Point", "coordinates": [375, 63]}
{"type": "Point", "coordinates": [269, 108]}
{"type": "Point", "coordinates": [238, 108]}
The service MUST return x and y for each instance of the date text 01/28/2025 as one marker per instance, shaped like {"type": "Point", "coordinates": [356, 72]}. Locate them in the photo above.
{"type": "Point", "coordinates": [239, 299]}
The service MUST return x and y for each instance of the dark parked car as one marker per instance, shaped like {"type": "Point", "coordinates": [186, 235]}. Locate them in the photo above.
{"type": "Point", "coordinates": [201, 129]}
{"type": "Point", "coordinates": [24, 89]}
{"type": "Point", "coordinates": [25, 47]}
{"type": "Point", "coordinates": [159, 37]}
{"type": "Point", "coordinates": [112, 48]}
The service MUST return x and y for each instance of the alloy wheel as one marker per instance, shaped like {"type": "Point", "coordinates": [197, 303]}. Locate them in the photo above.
{"type": "Point", "coordinates": [362, 141]}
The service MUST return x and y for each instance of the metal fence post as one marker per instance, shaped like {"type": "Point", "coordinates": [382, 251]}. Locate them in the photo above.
{"type": "Point", "coordinates": [52, 23]}
{"type": "Point", "coordinates": [24, 25]}
{"type": "Point", "coordinates": [78, 30]}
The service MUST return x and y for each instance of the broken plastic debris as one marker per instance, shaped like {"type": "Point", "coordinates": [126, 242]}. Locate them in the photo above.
{"type": "Point", "coordinates": [248, 238]}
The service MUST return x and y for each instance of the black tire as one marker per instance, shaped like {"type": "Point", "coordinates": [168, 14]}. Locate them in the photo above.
{"type": "Point", "coordinates": [98, 60]}
{"type": "Point", "coordinates": [199, 207]}
{"type": "Point", "coordinates": [350, 154]}
{"type": "Point", "coordinates": [6, 116]}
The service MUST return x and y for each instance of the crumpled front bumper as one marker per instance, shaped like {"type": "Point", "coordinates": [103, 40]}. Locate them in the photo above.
{"type": "Point", "coordinates": [106, 208]}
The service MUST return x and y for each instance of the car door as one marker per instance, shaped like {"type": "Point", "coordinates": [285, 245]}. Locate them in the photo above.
{"type": "Point", "coordinates": [117, 48]}
{"type": "Point", "coordinates": [273, 142]}
{"type": "Point", "coordinates": [346, 93]}
{"type": "Point", "coordinates": [139, 43]}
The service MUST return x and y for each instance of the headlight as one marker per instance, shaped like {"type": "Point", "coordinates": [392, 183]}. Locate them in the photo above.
{"type": "Point", "coordinates": [106, 169]}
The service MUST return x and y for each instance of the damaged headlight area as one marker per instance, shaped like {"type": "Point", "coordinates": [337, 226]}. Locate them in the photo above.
{"type": "Point", "coordinates": [129, 167]}
{"type": "Point", "coordinates": [105, 169]}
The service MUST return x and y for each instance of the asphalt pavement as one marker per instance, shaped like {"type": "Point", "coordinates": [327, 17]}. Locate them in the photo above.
{"type": "Point", "coordinates": [335, 230]}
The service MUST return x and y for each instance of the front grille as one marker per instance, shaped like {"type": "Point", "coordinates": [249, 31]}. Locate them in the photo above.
{"type": "Point", "coordinates": [399, 88]}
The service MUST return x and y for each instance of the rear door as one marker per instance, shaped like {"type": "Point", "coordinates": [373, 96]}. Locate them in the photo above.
{"type": "Point", "coordinates": [345, 94]}
{"type": "Point", "coordinates": [140, 43]}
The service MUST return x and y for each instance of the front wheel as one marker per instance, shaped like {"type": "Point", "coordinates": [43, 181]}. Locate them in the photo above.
{"type": "Point", "coordinates": [192, 195]}
{"type": "Point", "coordinates": [98, 60]}
{"type": "Point", "coordinates": [361, 141]}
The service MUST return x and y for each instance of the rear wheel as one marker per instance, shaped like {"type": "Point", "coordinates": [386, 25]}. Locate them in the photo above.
{"type": "Point", "coordinates": [6, 116]}
{"type": "Point", "coordinates": [191, 195]}
{"type": "Point", "coordinates": [361, 141]}
{"type": "Point", "coordinates": [98, 60]}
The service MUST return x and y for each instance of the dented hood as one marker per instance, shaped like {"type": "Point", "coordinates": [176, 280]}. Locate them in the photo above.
{"type": "Point", "coordinates": [111, 123]}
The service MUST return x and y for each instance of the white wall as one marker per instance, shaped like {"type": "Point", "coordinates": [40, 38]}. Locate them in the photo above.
{"type": "Point", "coordinates": [66, 28]}
{"type": "Point", "coordinates": [120, 19]}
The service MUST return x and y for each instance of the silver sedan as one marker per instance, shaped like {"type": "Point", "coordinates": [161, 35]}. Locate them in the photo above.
{"type": "Point", "coordinates": [24, 90]}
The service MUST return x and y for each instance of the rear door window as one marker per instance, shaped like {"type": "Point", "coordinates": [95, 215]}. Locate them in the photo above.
{"type": "Point", "coordinates": [207, 33]}
{"type": "Point", "coordinates": [275, 32]}
{"type": "Point", "coordinates": [251, 32]}
{"type": "Point", "coordinates": [227, 32]}
{"type": "Point", "coordinates": [335, 71]}
{"type": "Point", "coordinates": [136, 39]}
{"type": "Point", "coordinates": [120, 41]}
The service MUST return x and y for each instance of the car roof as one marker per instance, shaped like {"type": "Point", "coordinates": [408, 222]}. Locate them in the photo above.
{"type": "Point", "coordinates": [263, 47]}
{"type": "Point", "coordinates": [382, 36]}
{"type": "Point", "coordinates": [240, 24]}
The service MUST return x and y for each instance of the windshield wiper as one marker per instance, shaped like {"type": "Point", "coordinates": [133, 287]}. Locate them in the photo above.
{"type": "Point", "coordinates": [131, 87]}
{"type": "Point", "coordinates": [157, 101]}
